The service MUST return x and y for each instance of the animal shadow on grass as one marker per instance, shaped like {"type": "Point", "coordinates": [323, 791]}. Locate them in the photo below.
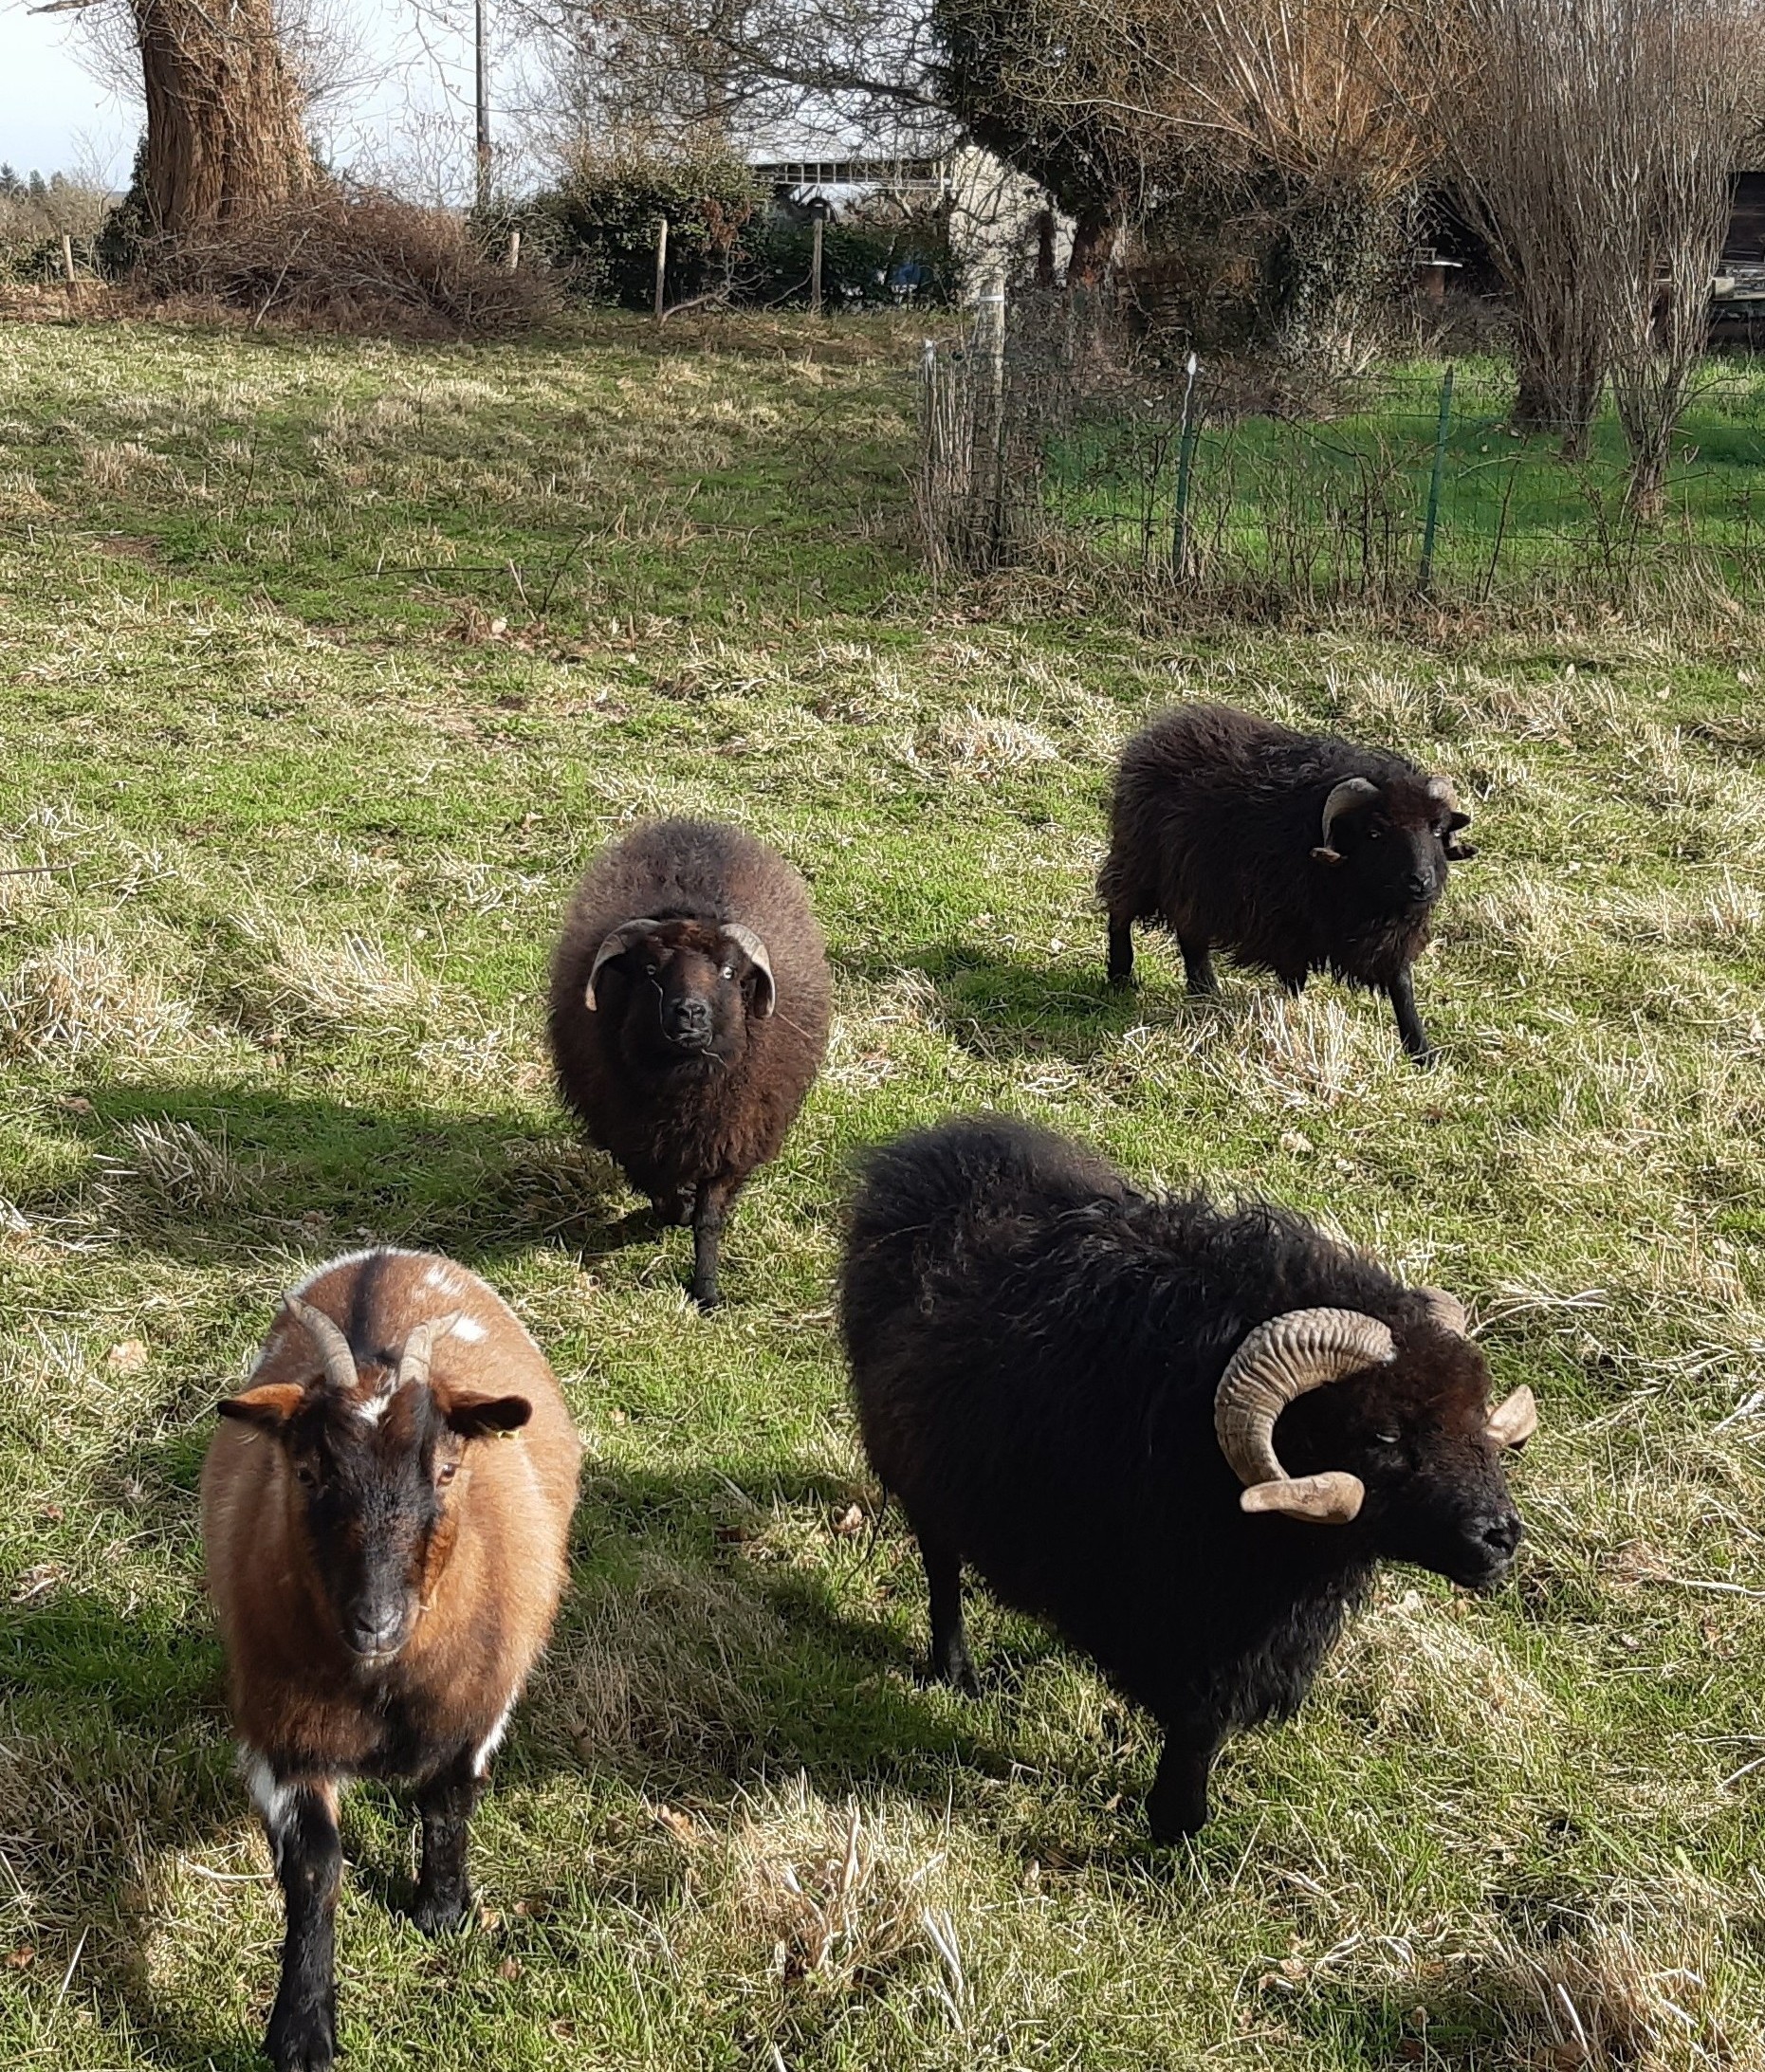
{"type": "Point", "coordinates": [117, 1758]}
{"type": "Point", "coordinates": [195, 1171]}
{"type": "Point", "coordinates": [1024, 1008]}
{"type": "Point", "coordinates": [702, 1644]}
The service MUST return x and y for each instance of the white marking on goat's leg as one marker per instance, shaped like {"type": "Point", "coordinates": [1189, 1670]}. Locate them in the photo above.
{"type": "Point", "coordinates": [274, 1801]}
{"type": "Point", "coordinates": [493, 1741]}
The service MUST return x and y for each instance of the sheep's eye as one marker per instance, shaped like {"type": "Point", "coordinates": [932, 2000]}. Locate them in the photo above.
{"type": "Point", "coordinates": [1387, 1439]}
{"type": "Point", "coordinates": [445, 1474]}
{"type": "Point", "coordinates": [728, 971]}
{"type": "Point", "coordinates": [306, 1476]}
{"type": "Point", "coordinates": [649, 971]}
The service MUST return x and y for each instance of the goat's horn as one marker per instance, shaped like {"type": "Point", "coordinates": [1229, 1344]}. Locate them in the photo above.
{"type": "Point", "coordinates": [1279, 1360]}
{"type": "Point", "coordinates": [1447, 1310]}
{"type": "Point", "coordinates": [330, 1338]}
{"type": "Point", "coordinates": [1344, 798]}
{"type": "Point", "coordinates": [1512, 1422]}
{"type": "Point", "coordinates": [613, 945]}
{"type": "Point", "coordinates": [1440, 788]}
{"type": "Point", "coordinates": [766, 997]}
{"type": "Point", "coordinates": [419, 1346]}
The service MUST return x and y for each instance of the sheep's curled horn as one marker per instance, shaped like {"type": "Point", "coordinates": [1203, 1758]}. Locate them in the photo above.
{"type": "Point", "coordinates": [767, 992]}
{"type": "Point", "coordinates": [1304, 1349]}
{"type": "Point", "coordinates": [1456, 848]}
{"type": "Point", "coordinates": [1281, 1360]}
{"type": "Point", "coordinates": [1349, 797]}
{"type": "Point", "coordinates": [1515, 1418]}
{"type": "Point", "coordinates": [626, 936]}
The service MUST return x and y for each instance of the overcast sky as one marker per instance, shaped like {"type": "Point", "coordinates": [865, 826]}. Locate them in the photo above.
{"type": "Point", "coordinates": [406, 98]}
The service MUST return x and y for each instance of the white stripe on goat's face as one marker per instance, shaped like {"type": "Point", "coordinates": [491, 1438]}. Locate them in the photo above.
{"type": "Point", "coordinates": [371, 1410]}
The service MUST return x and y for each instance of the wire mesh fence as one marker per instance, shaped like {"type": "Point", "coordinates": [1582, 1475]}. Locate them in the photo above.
{"type": "Point", "coordinates": [1045, 441]}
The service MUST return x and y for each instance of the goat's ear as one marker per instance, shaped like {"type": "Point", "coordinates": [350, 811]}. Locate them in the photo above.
{"type": "Point", "coordinates": [473, 1416]}
{"type": "Point", "coordinates": [270, 1407]}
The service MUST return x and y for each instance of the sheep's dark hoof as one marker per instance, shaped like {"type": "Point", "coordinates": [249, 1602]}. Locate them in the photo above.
{"type": "Point", "coordinates": [301, 2039]}
{"type": "Point", "coordinates": [439, 1913]}
{"type": "Point", "coordinates": [1123, 981]}
{"type": "Point", "coordinates": [1424, 1060]}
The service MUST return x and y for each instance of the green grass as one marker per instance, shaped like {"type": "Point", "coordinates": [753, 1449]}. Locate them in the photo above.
{"type": "Point", "coordinates": [323, 666]}
{"type": "Point", "coordinates": [1336, 502]}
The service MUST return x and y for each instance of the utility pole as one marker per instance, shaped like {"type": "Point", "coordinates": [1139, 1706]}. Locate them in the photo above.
{"type": "Point", "coordinates": [483, 98]}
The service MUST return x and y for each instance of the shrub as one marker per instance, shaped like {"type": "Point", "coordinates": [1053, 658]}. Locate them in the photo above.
{"type": "Point", "coordinates": [353, 259]}
{"type": "Point", "coordinates": [599, 222]}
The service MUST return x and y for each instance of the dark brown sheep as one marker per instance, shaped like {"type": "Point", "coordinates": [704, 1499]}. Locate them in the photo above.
{"type": "Point", "coordinates": [690, 1006]}
{"type": "Point", "coordinates": [1298, 852]}
{"type": "Point", "coordinates": [384, 1516]}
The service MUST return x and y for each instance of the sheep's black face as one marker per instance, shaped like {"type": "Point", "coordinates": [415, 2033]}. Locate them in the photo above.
{"type": "Point", "coordinates": [1396, 849]}
{"type": "Point", "coordinates": [1416, 1433]}
{"type": "Point", "coordinates": [688, 990]}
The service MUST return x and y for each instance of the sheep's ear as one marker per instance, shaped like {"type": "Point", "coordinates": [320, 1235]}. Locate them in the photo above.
{"type": "Point", "coordinates": [270, 1407]}
{"type": "Point", "coordinates": [1459, 850]}
{"type": "Point", "coordinates": [473, 1416]}
{"type": "Point", "coordinates": [627, 936]}
{"type": "Point", "coordinates": [765, 985]}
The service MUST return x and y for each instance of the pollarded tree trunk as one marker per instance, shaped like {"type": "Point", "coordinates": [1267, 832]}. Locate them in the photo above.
{"type": "Point", "coordinates": [224, 128]}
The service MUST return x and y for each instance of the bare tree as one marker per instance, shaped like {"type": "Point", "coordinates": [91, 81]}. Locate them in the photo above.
{"type": "Point", "coordinates": [1682, 102]}
{"type": "Point", "coordinates": [1293, 106]}
{"type": "Point", "coordinates": [1591, 143]}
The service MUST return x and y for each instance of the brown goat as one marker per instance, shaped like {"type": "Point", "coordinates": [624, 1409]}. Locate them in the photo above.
{"type": "Point", "coordinates": [385, 1513]}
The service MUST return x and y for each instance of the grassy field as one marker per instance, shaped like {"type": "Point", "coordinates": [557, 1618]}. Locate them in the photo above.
{"type": "Point", "coordinates": [323, 666]}
{"type": "Point", "coordinates": [1337, 504]}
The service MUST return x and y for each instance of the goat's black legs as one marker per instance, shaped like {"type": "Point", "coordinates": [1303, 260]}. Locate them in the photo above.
{"type": "Point", "coordinates": [708, 1216]}
{"type": "Point", "coordinates": [950, 1641]}
{"type": "Point", "coordinates": [1121, 952]}
{"type": "Point", "coordinates": [1198, 965]}
{"type": "Point", "coordinates": [301, 1824]}
{"type": "Point", "coordinates": [1177, 1804]}
{"type": "Point", "coordinates": [1403, 995]}
{"type": "Point", "coordinates": [446, 1804]}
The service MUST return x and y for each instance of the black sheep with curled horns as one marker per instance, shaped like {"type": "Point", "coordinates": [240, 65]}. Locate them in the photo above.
{"type": "Point", "coordinates": [1297, 853]}
{"type": "Point", "coordinates": [1074, 1388]}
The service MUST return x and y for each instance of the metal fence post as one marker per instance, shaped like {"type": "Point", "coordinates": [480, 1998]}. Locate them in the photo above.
{"type": "Point", "coordinates": [1425, 575]}
{"type": "Point", "coordinates": [1185, 457]}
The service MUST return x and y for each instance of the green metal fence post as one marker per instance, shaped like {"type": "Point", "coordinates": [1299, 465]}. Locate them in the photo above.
{"type": "Point", "coordinates": [1425, 575]}
{"type": "Point", "coordinates": [1185, 456]}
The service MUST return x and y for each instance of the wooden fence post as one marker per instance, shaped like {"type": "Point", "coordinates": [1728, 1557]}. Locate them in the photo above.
{"type": "Point", "coordinates": [661, 267]}
{"type": "Point", "coordinates": [68, 259]}
{"type": "Point", "coordinates": [514, 250]}
{"type": "Point", "coordinates": [815, 265]}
